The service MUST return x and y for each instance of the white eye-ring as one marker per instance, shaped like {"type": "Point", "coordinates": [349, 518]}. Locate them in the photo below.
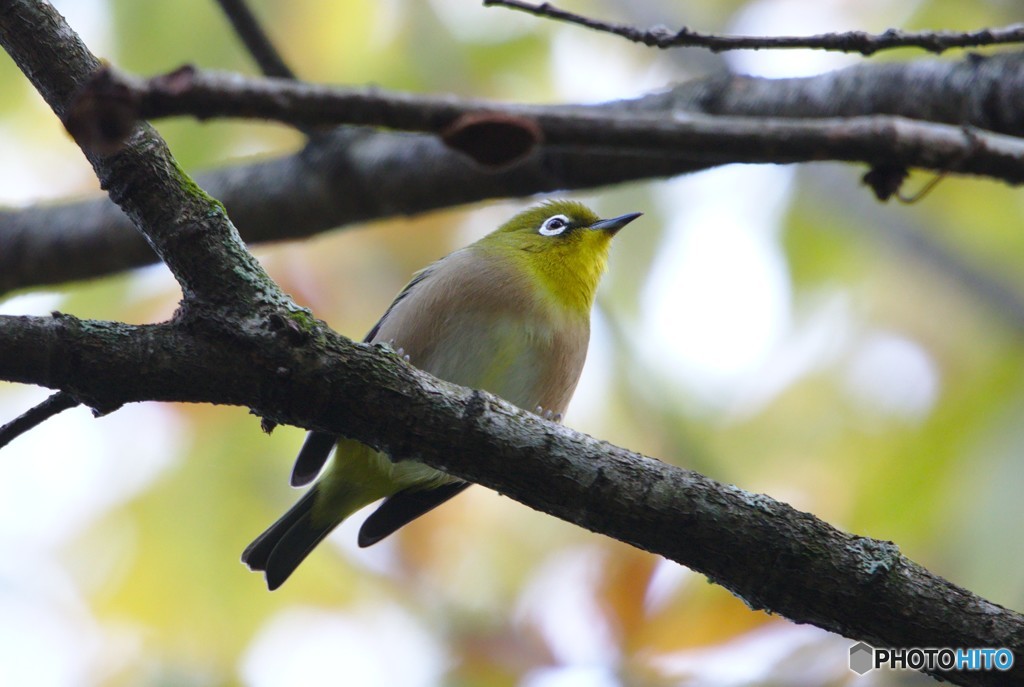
{"type": "Point", "coordinates": [554, 225]}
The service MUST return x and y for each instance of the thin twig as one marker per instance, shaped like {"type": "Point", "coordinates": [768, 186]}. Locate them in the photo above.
{"type": "Point", "coordinates": [847, 41]}
{"type": "Point", "coordinates": [921, 193]}
{"type": "Point", "coordinates": [34, 417]}
{"type": "Point", "coordinates": [255, 38]}
{"type": "Point", "coordinates": [262, 49]}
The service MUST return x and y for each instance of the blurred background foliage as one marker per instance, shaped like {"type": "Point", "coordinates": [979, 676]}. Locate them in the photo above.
{"type": "Point", "coordinates": [775, 328]}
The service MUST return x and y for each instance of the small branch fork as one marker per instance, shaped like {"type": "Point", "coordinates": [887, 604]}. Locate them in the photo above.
{"type": "Point", "coordinates": [846, 41]}
{"type": "Point", "coordinates": [54, 404]}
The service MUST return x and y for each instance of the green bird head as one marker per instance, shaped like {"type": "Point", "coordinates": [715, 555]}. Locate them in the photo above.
{"type": "Point", "coordinates": [562, 245]}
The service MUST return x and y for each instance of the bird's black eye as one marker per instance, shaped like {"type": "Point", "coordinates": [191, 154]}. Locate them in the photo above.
{"type": "Point", "coordinates": [554, 225]}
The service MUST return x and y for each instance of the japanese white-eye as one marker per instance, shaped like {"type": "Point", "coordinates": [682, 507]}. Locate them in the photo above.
{"type": "Point", "coordinates": [509, 314]}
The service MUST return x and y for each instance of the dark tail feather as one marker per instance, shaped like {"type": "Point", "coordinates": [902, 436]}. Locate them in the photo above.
{"type": "Point", "coordinates": [312, 457]}
{"type": "Point", "coordinates": [403, 508]}
{"type": "Point", "coordinates": [287, 542]}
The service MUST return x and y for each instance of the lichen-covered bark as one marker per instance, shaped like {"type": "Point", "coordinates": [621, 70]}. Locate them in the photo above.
{"type": "Point", "coordinates": [185, 227]}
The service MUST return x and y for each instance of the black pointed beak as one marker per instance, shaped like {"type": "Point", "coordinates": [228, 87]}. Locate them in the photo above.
{"type": "Point", "coordinates": [615, 223]}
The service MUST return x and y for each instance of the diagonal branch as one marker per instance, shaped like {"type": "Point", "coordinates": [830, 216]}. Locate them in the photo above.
{"type": "Point", "coordinates": [258, 43]}
{"type": "Point", "coordinates": [255, 39]}
{"type": "Point", "coordinates": [32, 418]}
{"type": "Point", "coordinates": [187, 229]}
{"type": "Point", "coordinates": [846, 41]}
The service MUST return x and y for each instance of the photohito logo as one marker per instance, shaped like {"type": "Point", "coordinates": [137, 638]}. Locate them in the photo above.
{"type": "Point", "coordinates": [864, 657]}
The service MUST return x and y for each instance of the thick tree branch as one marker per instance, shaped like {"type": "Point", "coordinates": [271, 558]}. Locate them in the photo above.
{"type": "Point", "coordinates": [774, 557]}
{"type": "Point", "coordinates": [184, 226]}
{"type": "Point", "coordinates": [301, 194]}
{"type": "Point", "coordinates": [846, 41]}
{"type": "Point", "coordinates": [345, 177]}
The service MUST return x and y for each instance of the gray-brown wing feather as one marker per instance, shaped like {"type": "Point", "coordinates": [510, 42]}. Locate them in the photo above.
{"type": "Point", "coordinates": [317, 447]}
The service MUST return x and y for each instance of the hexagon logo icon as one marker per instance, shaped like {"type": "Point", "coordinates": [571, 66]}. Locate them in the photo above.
{"type": "Point", "coordinates": [861, 658]}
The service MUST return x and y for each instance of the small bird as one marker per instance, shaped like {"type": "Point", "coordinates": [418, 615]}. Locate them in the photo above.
{"type": "Point", "coordinates": [509, 314]}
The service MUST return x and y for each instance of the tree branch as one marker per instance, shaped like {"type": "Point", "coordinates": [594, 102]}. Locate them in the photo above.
{"type": "Point", "coordinates": [187, 229]}
{"type": "Point", "coordinates": [259, 45]}
{"type": "Point", "coordinates": [872, 139]}
{"type": "Point", "coordinates": [256, 41]}
{"type": "Point", "coordinates": [772, 556]}
{"type": "Point", "coordinates": [846, 41]}
{"type": "Point", "coordinates": [32, 418]}
{"type": "Point", "coordinates": [301, 194]}
{"type": "Point", "coordinates": [348, 176]}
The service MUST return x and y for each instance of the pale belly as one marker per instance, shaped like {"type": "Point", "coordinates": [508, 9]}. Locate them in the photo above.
{"type": "Point", "coordinates": [527, 366]}
{"type": "Point", "coordinates": [497, 355]}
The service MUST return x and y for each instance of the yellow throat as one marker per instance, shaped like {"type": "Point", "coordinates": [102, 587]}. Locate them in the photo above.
{"type": "Point", "coordinates": [561, 247]}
